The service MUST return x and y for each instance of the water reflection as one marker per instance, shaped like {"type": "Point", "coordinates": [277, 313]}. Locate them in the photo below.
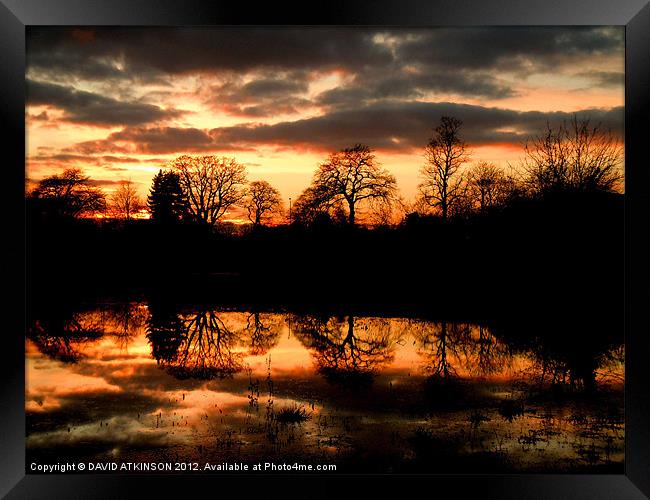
{"type": "Point", "coordinates": [200, 346]}
{"type": "Point", "coordinates": [346, 349]}
{"type": "Point", "coordinates": [159, 380]}
{"type": "Point", "coordinates": [208, 344]}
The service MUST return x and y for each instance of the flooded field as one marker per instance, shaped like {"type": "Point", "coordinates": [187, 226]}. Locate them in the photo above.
{"type": "Point", "coordinates": [149, 382]}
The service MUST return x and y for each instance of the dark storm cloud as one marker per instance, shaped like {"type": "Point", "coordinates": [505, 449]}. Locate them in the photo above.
{"type": "Point", "coordinates": [279, 93]}
{"type": "Point", "coordinates": [151, 140]}
{"type": "Point", "coordinates": [161, 140]}
{"type": "Point", "coordinates": [66, 160]}
{"type": "Point", "coordinates": [405, 125]}
{"type": "Point", "coordinates": [605, 78]}
{"type": "Point", "coordinates": [119, 159]}
{"type": "Point", "coordinates": [41, 117]}
{"type": "Point", "coordinates": [383, 63]}
{"type": "Point", "coordinates": [481, 85]}
{"type": "Point", "coordinates": [104, 182]}
{"type": "Point", "coordinates": [93, 52]}
{"type": "Point", "coordinates": [512, 48]}
{"type": "Point", "coordinates": [190, 50]}
{"type": "Point", "coordinates": [397, 126]}
{"type": "Point", "coordinates": [86, 107]}
{"type": "Point", "coordinates": [97, 146]}
{"type": "Point", "coordinates": [411, 86]}
{"type": "Point", "coordinates": [278, 107]}
{"type": "Point", "coordinates": [273, 86]}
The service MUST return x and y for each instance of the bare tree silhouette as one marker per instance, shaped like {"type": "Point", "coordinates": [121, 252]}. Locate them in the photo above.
{"type": "Point", "coordinates": [261, 201]}
{"type": "Point", "coordinates": [315, 204]}
{"type": "Point", "coordinates": [211, 185]}
{"type": "Point", "coordinates": [125, 201]}
{"type": "Point", "coordinates": [443, 186]}
{"type": "Point", "coordinates": [352, 175]}
{"type": "Point", "coordinates": [488, 186]}
{"type": "Point", "coordinates": [70, 194]}
{"type": "Point", "coordinates": [574, 156]}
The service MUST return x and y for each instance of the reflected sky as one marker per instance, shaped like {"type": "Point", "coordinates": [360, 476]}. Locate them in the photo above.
{"type": "Point", "coordinates": [142, 381]}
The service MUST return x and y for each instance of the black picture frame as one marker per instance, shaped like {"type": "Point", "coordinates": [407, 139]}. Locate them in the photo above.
{"type": "Point", "coordinates": [15, 15]}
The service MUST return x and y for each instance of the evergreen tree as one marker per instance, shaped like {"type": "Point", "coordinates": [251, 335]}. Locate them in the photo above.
{"type": "Point", "coordinates": [166, 199]}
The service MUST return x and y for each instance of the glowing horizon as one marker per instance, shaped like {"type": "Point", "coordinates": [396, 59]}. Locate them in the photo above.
{"type": "Point", "coordinates": [120, 103]}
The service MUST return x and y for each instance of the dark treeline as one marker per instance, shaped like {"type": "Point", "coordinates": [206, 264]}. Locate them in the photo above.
{"type": "Point", "coordinates": [203, 342]}
{"type": "Point", "coordinates": [477, 243]}
{"type": "Point", "coordinates": [504, 270]}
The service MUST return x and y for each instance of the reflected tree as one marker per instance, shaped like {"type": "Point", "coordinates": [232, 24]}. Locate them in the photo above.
{"type": "Point", "coordinates": [260, 334]}
{"type": "Point", "coordinates": [164, 331]}
{"type": "Point", "coordinates": [450, 347]}
{"type": "Point", "coordinates": [564, 369]}
{"type": "Point", "coordinates": [561, 354]}
{"type": "Point", "coordinates": [444, 346]}
{"type": "Point", "coordinates": [611, 365]}
{"type": "Point", "coordinates": [487, 355]}
{"type": "Point", "coordinates": [60, 334]}
{"type": "Point", "coordinates": [198, 345]}
{"type": "Point", "coordinates": [124, 320]}
{"type": "Point", "coordinates": [345, 348]}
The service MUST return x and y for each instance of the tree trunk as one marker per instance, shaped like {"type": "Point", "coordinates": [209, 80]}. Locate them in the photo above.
{"type": "Point", "coordinates": [350, 336]}
{"type": "Point", "coordinates": [443, 350]}
{"type": "Point", "coordinates": [351, 217]}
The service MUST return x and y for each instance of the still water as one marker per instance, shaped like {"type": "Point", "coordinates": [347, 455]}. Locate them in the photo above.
{"type": "Point", "coordinates": [150, 382]}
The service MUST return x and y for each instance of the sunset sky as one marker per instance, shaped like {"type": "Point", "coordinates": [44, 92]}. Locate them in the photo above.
{"type": "Point", "coordinates": [121, 102]}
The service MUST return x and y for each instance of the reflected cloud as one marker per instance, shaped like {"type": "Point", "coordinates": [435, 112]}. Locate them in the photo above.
{"type": "Point", "coordinates": [218, 380]}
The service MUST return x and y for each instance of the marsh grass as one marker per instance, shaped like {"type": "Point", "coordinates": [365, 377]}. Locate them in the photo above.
{"type": "Point", "coordinates": [510, 409]}
{"type": "Point", "coordinates": [292, 415]}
